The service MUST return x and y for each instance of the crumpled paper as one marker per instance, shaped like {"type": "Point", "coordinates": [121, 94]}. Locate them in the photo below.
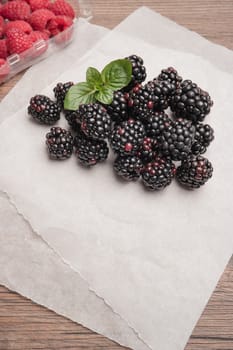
{"type": "Point", "coordinates": [23, 254]}
{"type": "Point", "coordinates": [155, 245]}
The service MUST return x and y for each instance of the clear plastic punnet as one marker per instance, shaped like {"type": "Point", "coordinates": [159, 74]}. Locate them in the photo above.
{"type": "Point", "coordinates": [40, 49]}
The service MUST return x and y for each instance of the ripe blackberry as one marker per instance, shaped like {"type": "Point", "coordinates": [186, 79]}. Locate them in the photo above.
{"type": "Point", "coordinates": [138, 71]}
{"type": "Point", "coordinates": [127, 137]}
{"type": "Point", "coordinates": [90, 151]}
{"type": "Point", "coordinates": [204, 134]}
{"type": "Point", "coordinates": [147, 150]}
{"type": "Point", "coordinates": [95, 121]}
{"type": "Point", "coordinates": [144, 100]}
{"type": "Point", "coordinates": [118, 109]}
{"type": "Point", "coordinates": [59, 143]}
{"type": "Point", "coordinates": [60, 91]}
{"type": "Point", "coordinates": [44, 110]}
{"type": "Point", "coordinates": [194, 171]}
{"type": "Point", "coordinates": [72, 119]}
{"type": "Point", "coordinates": [190, 102]}
{"type": "Point", "coordinates": [177, 139]}
{"type": "Point", "coordinates": [156, 124]}
{"type": "Point", "coordinates": [158, 174]}
{"type": "Point", "coordinates": [171, 75]}
{"type": "Point", "coordinates": [128, 167]}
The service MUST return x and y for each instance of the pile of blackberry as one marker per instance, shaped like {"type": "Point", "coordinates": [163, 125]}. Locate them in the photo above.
{"type": "Point", "coordinates": [156, 129]}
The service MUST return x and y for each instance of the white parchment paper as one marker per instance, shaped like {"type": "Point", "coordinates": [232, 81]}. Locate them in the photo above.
{"type": "Point", "coordinates": [154, 257]}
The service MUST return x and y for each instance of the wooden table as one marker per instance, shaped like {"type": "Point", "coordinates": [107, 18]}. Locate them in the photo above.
{"type": "Point", "coordinates": [27, 326]}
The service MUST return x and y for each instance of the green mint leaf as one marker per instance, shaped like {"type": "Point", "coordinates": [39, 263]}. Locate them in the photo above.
{"type": "Point", "coordinates": [105, 95]}
{"type": "Point", "coordinates": [117, 74]}
{"type": "Point", "coordinates": [78, 94]}
{"type": "Point", "coordinates": [93, 77]}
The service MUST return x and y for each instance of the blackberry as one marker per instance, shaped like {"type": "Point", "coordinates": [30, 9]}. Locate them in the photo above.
{"type": "Point", "coordinates": [90, 151]}
{"type": "Point", "coordinates": [72, 119]}
{"type": "Point", "coordinates": [190, 102]}
{"type": "Point", "coordinates": [156, 124]}
{"type": "Point", "coordinates": [177, 139]}
{"type": "Point", "coordinates": [95, 121]}
{"type": "Point", "coordinates": [127, 137]}
{"type": "Point", "coordinates": [59, 143]}
{"type": "Point", "coordinates": [171, 75]}
{"type": "Point", "coordinates": [147, 150]}
{"type": "Point", "coordinates": [128, 167]}
{"type": "Point", "coordinates": [138, 71]}
{"type": "Point", "coordinates": [194, 171]}
{"type": "Point", "coordinates": [44, 110]}
{"type": "Point", "coordinates": [118, 109]}
{"type": "Point", "coordinates": [60, 91]}
{"type": "Point", "coordinates": [144, 100]}
{"type": "Point", "coordinates": [158, 174]}
{"type": "Point", "coordinates": [204, 134]}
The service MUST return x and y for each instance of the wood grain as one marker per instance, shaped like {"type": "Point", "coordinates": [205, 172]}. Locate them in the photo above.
{"type": "Point", "coordinates": [27, 326]}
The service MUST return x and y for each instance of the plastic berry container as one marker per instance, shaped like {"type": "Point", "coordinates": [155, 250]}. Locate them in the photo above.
{"type": "Point", "coordinates": [41, 48]}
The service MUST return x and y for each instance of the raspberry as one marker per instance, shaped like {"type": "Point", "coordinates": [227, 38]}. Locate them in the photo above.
{"type": "Point", "coordinates": [16, 9]}
{"type": "Point", "coordinates": [59, 24]}
{"type": "Point", "coordinates": [37, 35]}
{"type": "Point", "coordinates": [4, 69]}
{"type": "Point", "coordinates": [2, 26]}
{"type": "Point", "coordinates": [61, 7]}
{"type": "Point", "coordinates": [38, 4]}
{"type": "Point", "coordinates": [3, 48]}
{"type": "Point", "coordinates": [17, 41]}
{"type": "Point", "coordinates": [23, 26]}
{"type": "Point", "coordinates": [39, 19]}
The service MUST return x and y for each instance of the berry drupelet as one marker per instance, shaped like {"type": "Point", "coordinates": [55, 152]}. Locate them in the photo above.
{"type": "Point", "coordinates": [60, 91]}
{"type": "Point", "coordinates": [128, 167]}
{"type": "Point", "coordinates": [177, 139]}
{"type": "Point", "coordinates": [127, 137]}
{"type": "Point", "coordinates": [194, 171]}
{"type": "Point", "coordinates": [90, 151]}
{"type": "Point", "coordinates": [44, 110]}
{"type": "Point", "coordinates": [204, 135]}
{"type": "Point", "coordinates": [59, 143]}
{"type": "Point", "coordinates": [95, 121]}
{"type": "Point", "coordinates": [158, 174]}
{"type": "Point", "coordinates": [191, 102]}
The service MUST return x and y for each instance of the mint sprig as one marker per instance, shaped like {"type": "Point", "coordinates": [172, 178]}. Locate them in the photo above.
{"type": "Point", "coordinates": [99, 87]}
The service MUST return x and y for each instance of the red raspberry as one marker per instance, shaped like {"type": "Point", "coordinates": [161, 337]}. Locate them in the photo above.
{"type": "Point", "coordinates": [58, 24]}
{"type": "Point", "coordinates": [2, 26]}
{"type": "Point", "coordinates": [4, 69]}
{"type": "Point", "coordinates": [17, 41]}
{"type": "Point", "coordinates": [38, 4]}
{"type": "Point", "coordinates": [37, 35]}
{"type": "Point", "coordinates": [19, 24]}
{"type": "Point", "coordinates": [3, 48]}
{"type": "Point", "coordinates": [61, 7]}
{"type": "Point", "coordinates": [39, 19]}
{"type": "Point", "coordinates": [16, 9]}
